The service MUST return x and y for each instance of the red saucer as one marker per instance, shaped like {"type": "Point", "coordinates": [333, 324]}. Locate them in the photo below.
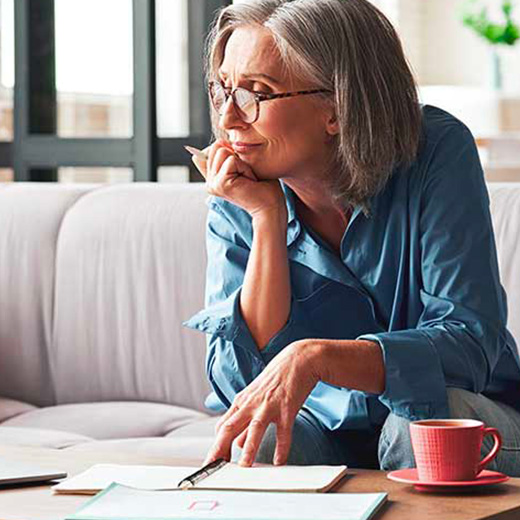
{"type": "Point", "coordinates": [409, 476]}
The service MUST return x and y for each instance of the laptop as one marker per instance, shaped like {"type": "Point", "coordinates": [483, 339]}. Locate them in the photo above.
{"type": "Point", "coordinates": [12, 473]}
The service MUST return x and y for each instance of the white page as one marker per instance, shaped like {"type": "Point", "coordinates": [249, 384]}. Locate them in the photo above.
{"type": "Point", "coordinates": [133, 504]}
{"type": "Point", "coordinates": [233, 476]}
{"type": "Point", "coordinates": [101, 476]}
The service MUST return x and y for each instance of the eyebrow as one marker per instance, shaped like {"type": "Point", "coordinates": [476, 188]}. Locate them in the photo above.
{"type": "Point", "coordinates": [255, 75]}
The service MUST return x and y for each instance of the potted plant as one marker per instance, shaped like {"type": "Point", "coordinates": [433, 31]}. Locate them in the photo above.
{"type": "Point", "coordinates": [475, 15]}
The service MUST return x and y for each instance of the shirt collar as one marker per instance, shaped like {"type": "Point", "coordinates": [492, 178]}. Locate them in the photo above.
{"type": "Point", "coordinates": [293, 225]}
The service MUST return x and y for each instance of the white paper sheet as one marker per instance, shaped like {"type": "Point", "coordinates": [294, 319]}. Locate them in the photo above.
{"type": "Point", "coordinates": [265, 478]}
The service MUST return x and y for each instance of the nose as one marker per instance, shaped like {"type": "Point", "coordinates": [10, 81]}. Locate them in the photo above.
{"type": "Point", "coordinates": [229, 118]}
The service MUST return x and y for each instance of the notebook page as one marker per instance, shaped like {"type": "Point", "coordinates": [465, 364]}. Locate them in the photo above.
{"type": "Point", "coordinates": [286, 478]}
{"type": "Point", "coordinates": [100, 476]}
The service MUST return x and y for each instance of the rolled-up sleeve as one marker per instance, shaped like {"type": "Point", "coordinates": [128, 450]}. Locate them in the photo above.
{"type": "Point", "coordinates": [462, 328]}
{"type": "Point", "coordinates": [233, 357]}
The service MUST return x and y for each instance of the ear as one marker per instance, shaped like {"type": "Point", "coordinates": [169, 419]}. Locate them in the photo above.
{"type": "Point", "coordinates": [332, 125]}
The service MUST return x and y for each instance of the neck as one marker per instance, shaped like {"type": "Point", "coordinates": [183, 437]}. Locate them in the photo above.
{"type": "Point", "coordinates": [314, 200]}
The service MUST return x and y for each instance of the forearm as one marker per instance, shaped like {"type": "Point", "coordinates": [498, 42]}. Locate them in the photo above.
{"type": "Point", "coordinates": [265, 300]}
{"type": "Point", "coordinates": [355, 364]}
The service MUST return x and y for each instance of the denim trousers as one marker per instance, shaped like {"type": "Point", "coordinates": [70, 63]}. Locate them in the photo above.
{"type": "Point", "coordinates": [389, 447]}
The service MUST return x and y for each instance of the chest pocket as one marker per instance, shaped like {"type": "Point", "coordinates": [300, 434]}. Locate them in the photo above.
{"type": "Point", "coordinates": [337, 311]}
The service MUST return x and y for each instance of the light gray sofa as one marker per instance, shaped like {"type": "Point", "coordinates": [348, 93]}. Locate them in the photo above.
{"type": "Point", "coordinates": [95, 282]}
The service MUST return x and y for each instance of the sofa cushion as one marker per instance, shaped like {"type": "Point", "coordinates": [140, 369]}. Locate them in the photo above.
{"type": "Point", "coordinates": [505, 211]}
{"type": "Point", "coordinates": [202, 428]}
{"type": "Point", "coordinates": [30, 215]}
{"type": "Point", "coordinates": [39, 437]}
{"type": "Point", "coordinates": [130, 264]}
{"type": "Point", "coordinates": [185, 448]}
{"type": "Point", "coordinates": [109, 420]}
{"type": "Point", "coordinates": [10, 408]}
{"type": "Point", "coordinates": [191, 449]}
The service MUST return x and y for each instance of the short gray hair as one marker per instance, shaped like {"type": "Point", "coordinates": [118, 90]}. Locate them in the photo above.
{"type": "Point", "coordinates": [350, 48]}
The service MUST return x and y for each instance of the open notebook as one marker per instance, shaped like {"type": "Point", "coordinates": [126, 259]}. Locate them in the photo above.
{"type": "Point", "coordinates": [219, 475]}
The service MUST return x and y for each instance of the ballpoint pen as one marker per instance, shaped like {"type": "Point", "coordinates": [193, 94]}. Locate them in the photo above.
{"type": "Point", "coordinates": [199, 154]}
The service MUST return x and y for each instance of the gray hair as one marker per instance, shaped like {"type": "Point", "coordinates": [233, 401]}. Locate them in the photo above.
{"type": "Point", "coordinates": [350, 48]}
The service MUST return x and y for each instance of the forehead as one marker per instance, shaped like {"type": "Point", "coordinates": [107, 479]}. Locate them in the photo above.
{"type": "Point", "coordinates": [251, 50]}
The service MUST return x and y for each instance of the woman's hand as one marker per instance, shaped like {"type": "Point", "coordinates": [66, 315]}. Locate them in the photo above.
{"type": "Point", "coordinates": [275, 396]}
{"type": "Point", "coordinates": [230, 178]}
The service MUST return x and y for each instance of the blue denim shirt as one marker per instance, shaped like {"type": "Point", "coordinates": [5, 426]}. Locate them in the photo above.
{"type": "Point", "coordinates": [418, 275]}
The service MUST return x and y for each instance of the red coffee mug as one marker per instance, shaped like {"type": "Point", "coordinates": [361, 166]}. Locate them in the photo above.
{"type": "Point", "coordinates": [449, 449]}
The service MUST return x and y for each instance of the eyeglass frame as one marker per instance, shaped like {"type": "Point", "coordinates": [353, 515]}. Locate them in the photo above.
{"type": "Point", "coordinates": [258, 96]}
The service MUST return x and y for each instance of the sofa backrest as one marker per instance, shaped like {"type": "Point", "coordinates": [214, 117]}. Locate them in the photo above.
{"type": "Point", "coordinates": [95, 282]}
{"type": "Point", "coordinates": [94, 285]}
{"type": "Point", "coordinates": [505, 212]}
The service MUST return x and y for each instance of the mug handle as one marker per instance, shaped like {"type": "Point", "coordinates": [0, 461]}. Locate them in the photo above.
{"type": "Point", "coordinates": [494, 451]}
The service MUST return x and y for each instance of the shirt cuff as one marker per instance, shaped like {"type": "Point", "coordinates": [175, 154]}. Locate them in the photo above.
{"type": "Point", "coordinates": [224, 319]}
{"type": "Point", "coordinates": [415, 387]}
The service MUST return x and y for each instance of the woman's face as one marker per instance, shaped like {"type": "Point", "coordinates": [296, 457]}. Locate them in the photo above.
{"type": "Point", "coordinates": [293, 134]}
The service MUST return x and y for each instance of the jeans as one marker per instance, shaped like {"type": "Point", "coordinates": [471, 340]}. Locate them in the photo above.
{"type": "Point", "coordinates": [389, 447]}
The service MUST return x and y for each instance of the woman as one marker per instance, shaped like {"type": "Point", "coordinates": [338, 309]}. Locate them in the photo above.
{"type": "Point", "coordinates": [352, 284]}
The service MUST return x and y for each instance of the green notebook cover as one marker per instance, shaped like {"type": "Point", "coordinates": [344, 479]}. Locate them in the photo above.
{"type": "Point", "coordinates": [119, 502]}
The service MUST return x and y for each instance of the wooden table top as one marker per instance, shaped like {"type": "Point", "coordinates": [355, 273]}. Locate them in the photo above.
{"type": "Point", "coordinates": [500, 502]}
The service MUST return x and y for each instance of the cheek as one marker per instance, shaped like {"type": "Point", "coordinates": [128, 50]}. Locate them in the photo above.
{"type": "Point", "coordinates": [293, 133]}
{"type": "Point", "coordinates": [289, 127]}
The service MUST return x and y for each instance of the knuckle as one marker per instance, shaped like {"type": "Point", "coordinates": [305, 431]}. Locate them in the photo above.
{"type": "Point", "coordinates": [228, 426]}
{"type": "Point", "coordinates": [257, 423]}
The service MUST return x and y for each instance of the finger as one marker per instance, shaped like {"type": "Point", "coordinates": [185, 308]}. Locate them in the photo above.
{"type": "Point", "coordinates": [283, 444]}
{"type": "Point", "coordinates": [237, 167]}
{"type": "Point", "coordinates": [212, 150]}
{"type": "Point", "coordinates": [255, 434]}
{"type": "Point", "coordinates": [241, 439]}
{"type": "Point", "coordinates": [231, 411]}
{"type": "Point", "coordinates": [225, 437]}
{"type": "Point", "coordinates": [218, 160]}
{"type": "Point", "coordinates": [218, 451]}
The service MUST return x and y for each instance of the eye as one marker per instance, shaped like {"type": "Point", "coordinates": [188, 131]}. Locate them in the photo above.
{"type": "Point", "coordinates": [262, 89]}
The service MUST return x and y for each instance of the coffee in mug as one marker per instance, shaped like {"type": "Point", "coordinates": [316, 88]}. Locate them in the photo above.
{"type": "Point", "coordinates": [449, 449]}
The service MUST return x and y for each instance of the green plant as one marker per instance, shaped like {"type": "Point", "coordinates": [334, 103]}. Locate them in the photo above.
{"type": "Point", "coordinates": [475, 16]}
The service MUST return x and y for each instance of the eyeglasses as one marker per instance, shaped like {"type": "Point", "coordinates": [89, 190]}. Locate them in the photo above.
{"type": "Point", "coordinates": [247, 102]}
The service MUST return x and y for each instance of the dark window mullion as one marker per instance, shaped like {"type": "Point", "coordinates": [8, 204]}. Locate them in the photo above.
{"type": "Point", "coordinates": [53, 152]}
{"type": "Point", "coordinates": [145, 111]}
{"type": "Point", "coordinates": [35, 107]}
{"type": "Point", "coordinates": [200, 16]}
{"type": "Point", "coordinates": [6, 151]}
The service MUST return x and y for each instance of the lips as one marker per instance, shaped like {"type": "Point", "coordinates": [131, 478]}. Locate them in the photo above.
{"type": "Point", "coordinates": [240, 146]}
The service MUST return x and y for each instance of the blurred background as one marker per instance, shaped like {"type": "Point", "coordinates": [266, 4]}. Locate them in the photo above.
{"type": "Point", "coordinates": [111, 90]}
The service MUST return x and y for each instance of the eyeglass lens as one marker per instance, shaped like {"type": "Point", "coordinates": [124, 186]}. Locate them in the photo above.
{"type": "Point", "coordinates": [245, 102]}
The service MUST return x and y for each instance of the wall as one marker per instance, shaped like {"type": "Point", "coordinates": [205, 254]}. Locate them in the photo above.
{"type": "Point", "coordinates": [444, 52]}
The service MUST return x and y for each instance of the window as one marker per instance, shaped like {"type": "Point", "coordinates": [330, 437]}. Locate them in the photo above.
{"type": "Point", "coordinates": [6, 69]}
{"type": "Point", "coordinates": [104, 91]}
{"type": "Point", "coordinates": [172, 68]}
{"type": "Point", "coordinates": [94, 75]}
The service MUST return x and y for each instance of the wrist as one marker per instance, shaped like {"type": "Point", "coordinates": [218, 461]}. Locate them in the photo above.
{"type": "Point", "coordinates": [270, 217]}
{"type": "Point", "coordinates": [315, 353]}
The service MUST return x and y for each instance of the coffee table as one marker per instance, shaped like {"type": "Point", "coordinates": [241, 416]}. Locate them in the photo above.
{"type": "Point", "coordinates": [501, 502]}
